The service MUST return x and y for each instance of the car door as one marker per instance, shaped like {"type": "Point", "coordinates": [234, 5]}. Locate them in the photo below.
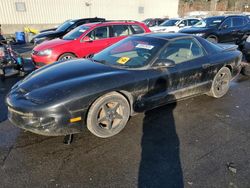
{"type": "Point", "coordinates": [225, 31]}
{"type": "Point", "coordinates": [188, 77]}
{"type": "Point", "coordinates": [238, 24]}
{"type": "Point", "coordinates": [99, 39]}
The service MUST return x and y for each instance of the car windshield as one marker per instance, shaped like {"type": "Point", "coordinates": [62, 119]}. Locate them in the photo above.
{"type": "Point", "coordinates": [65, 25]}
{"type": "Point", "coordinates": [146, 21]}
{"type": "Point", "coordinates": [170, 22]}
{"type": "Point", "coordinates": [209, 22]}
{"type": "Point", "coordinates": [132, 52]}
{"type": "Point", "coordinates": [75, 33]}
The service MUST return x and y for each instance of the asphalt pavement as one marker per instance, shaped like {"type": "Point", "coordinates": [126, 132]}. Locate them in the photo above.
{"type": "Point", "coordinates": [198, 142]}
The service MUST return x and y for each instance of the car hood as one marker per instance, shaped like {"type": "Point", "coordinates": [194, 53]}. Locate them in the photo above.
{"type": "Point", "coordinates": [49, 34]}
{"type": "Point", "coordinates": [51, 44]}
{"type": "Point", "coordinates": [66, 75]}
{"type": "Point", "coordinates": [195, 30]}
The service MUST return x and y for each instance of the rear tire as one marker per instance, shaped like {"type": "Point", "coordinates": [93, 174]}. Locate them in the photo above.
{"type": "Point", "coordinates": [212, 38]}
{"type": "Point", "coordinates": [66, 56]}
{"type": "Point", "coordinates": [108, 115]}
{"type": "Point", "coordinates": [221, 83]}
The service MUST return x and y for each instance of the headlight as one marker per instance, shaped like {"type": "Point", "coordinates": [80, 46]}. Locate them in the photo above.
{"type": "Point", "coordinates": [248, 39]}
{"type": "Point", "coordinates": [46, 52]}
{"type": "Point", "coordinates": [200, 34]}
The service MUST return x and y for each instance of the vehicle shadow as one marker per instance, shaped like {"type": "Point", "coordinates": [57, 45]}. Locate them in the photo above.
{"type": "Point", "coordinates": [160, 164]}
{"type": "Point", "coordinates": [5, 87]}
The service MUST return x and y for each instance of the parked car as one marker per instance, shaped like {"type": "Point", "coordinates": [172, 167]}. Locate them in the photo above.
{"type": "Point", "coordinates": [174, 25]}
{"type": "Point", "coordinates": [85, 40]}
{"type": "Point", "coordinates": [151, 22]}
{"type": "Point", "coordinates": [64, 28]}
{"type": "Point", "coordinates": [136, 74]}
{"type": "Point", "coordinates": [234, 28]}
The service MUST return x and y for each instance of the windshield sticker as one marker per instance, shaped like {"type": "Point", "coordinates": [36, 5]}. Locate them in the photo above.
{"type": "Point", "coordinates": [82, 30]}
{"type": "Point", "coordinates": [123, 60]}
{"type": "Point", "coordinates": [144, 46]}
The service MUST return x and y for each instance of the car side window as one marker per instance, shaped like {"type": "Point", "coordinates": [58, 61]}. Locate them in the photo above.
{"type": "Point", "coordinates": [136, 29]}
{"type": "Point", "coordinates": [121, 30]}
{"type": "Point", "coordinates": [192, 22]}
{"type": "Point", "coordinates": [183, 22]}
{"type": "Point", "coordinates": [99, 33]}
{"type": "Point", "coordinates": [182, 50]}
{"type": "Point", "coordinates": [237, 21]}
{"type": "Point", "coordinates": [227, 23]}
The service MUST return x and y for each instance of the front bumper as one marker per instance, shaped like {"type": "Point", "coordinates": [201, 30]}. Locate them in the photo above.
{"type": "Point", "coordinates": [50, 121]}
{"type": "Point", "coordinates": [40, 61]}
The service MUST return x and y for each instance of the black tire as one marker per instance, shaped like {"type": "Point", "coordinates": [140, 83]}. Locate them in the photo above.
{"type": "Point", "coordinates": [221, 83]}
{"type": "Point", "coordinates": [108, 115]}
{"type": "Point", "coordinates": [246, 70]}
{"type": "Point", "coordinates": [212, 38]}
{"type": "Point", "coordinates": [66, 56]}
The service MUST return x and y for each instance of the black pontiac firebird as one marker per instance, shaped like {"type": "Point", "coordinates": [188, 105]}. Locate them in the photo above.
{"type": "Point", "coordinates": [134, 75]}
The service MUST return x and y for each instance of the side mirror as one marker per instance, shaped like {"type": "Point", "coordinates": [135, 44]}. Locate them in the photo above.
{"type": "Point", "coordinates": [164, 63]}
{"type": "Point", "coordinates": [87, 39]}
{"type": "Point", "coordinates": [182, 25]}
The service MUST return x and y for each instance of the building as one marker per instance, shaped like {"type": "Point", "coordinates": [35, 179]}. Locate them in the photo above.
{"type": "Point", "coordinates": [39, 14]}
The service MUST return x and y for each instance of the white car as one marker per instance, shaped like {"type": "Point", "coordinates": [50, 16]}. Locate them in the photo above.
{"type": "Point", "coordinates": [174, 25]}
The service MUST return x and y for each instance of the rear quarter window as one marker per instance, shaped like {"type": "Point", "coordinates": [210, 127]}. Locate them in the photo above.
{"type": "Point", "coordinates": [121, 30]}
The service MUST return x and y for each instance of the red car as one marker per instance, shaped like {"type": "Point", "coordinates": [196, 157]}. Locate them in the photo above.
{"type": "Point", "coordinates": [85, 40]}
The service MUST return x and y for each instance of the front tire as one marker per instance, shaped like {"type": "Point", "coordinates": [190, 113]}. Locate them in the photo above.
{"type": "Point", "coordinates": [221, 83]}
{"type": "Point", "coordinates": [66, 56]}
{"type": "Point", "coordinates": [108, 115]}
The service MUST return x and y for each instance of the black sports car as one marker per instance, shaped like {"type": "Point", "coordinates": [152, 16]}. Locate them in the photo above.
{"type": "Point", "coordinates": [134, 75]}
{"type": "Point", "coordinates": [62, 29]}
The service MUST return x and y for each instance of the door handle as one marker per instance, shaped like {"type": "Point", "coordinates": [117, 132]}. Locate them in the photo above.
{"type": "Point", "coordinates": [206, 65]}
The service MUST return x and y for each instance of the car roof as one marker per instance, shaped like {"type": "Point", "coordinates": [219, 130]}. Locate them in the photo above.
{"type": "Point", "coordinates": [191, 18]}
{"type": "Point", "coordinates": [226, 16]}
{"type": "Point", "coordinates": [111, 23]}
{"type": "Point", "coordinates": [216, 17]}
{"type": "Point", "coordinates": [82, 19]}
{"type": "Point", "coordinates": [167, 36]}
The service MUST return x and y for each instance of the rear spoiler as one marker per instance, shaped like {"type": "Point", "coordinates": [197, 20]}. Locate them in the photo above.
{"type": "Point", "coordinates": [227, 47]}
